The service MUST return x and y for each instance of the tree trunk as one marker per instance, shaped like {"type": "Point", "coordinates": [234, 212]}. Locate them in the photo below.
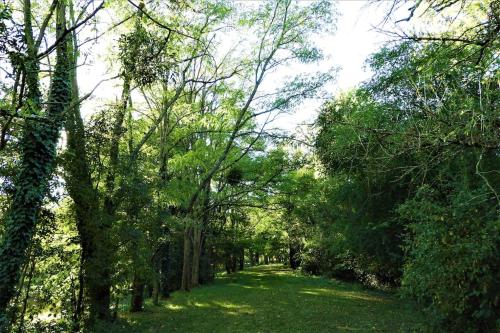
{"type": "Point", "coordinates": [148, 290]}
{"type": "Point", "coordinates": [99, 301]}
{"type": "Point", "coordinates": [137, 301]}
{"type": "Point", "coordinates": [234, 263]}
{"type": "Point", "coordinates": [155, 295]}
{"type": "Point", "coordinates": [241, 259]}
{"type": "Point", "coordinates": [294, 260]}
{"type": "Point", "coordinates": [241, 263]}
{"type": "Point", "coordinates": [100, 296]}
{"type": "Point", "coordinates": [228, 264]}
{"type": "Point", "coordinates": [26, 297]}
{"type": "Point", "coordinates": [195, 269]}
{"type": "Point", "coordinates": [78, 309]}
{"type": "Point", "coordinates": [38, 145]}
{"type": "Point", "coordinates": [186, 260]}
{"type": "Point", "coordinates": [164, 268]}
{"type": "Point", "coordinates": [94, 236]}
{"type": "Point", "coordinates": [266, 259]}
{"type": "Point", "coordinates": [203, 217]}
{"type": "Point", "coordinates": [161, 262]}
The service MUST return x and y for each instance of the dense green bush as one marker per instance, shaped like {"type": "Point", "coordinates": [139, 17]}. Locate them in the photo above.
{"type": "Point", "coordinates": [452, 267]}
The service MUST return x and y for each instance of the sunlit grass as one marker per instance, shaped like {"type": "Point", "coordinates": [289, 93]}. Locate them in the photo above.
{"type": "Point", "coordinates": [273, 299]}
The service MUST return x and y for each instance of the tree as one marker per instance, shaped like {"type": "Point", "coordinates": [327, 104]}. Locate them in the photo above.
{"type": "Point", "coordinates": [38, 144]}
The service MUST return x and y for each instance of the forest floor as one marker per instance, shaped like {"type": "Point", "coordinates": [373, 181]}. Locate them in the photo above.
{"type": "Point", "coordinates": [273, 299]}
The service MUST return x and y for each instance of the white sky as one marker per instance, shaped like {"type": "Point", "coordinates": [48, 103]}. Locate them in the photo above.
{"type": "Point", "coordinates": [348, 48]}
{"type": "Point", "coordinates": [354, 41]}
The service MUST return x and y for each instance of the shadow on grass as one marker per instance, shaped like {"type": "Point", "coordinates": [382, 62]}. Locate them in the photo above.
{"type": "Point", "coordinates": [272, 299]}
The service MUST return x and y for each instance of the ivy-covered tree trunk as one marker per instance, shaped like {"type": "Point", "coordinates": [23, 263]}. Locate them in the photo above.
{"type": "Point", "coordinates": [101, 258]}
{"type": "Point", "coordinates": [86, 199]}
{"type": "Point", "coordinates": [38, 146]}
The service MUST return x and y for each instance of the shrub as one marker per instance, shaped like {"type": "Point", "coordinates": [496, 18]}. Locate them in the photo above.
{"type": "Point", "coordinates": [452, 268]}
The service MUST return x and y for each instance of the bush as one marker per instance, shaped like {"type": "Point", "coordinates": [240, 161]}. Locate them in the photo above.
{"type": "Point", "coordinates": [311, 261]}
{"type": "Point", "coordinates": [452, 268]}
{"type": "Point", "coordinates": [332, 262]}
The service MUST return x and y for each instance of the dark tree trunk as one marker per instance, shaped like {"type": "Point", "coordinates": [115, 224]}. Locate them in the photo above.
{"type": "Point", "coordinates": [207, 265]}
{"type": "Point", "coordinates": [148, 290]}
{"type": "Point", "coordinates": [241, 260]}
{"type": "Point", "coordinates": [100, 298]}
{"type": "Point", "coordinates": [294, 251]}
{"type": "Point", "coordinates": [165, 266]}
{"type": "Point", "coordinates": [155, 291]}
{"type": "Point", "coordinates": [234, 263]}
{"type": "Point", "coordinates": [186, 260]}
{"type": "Point", "coordinates": [137, 301]}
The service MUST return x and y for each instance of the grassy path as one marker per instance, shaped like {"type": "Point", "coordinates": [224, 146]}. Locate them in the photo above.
{"type": "Point", "coordinates": [272, 299]}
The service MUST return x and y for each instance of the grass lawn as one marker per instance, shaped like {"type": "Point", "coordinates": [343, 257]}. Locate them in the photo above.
{"type": "Point", "coordinates": [273, 299]}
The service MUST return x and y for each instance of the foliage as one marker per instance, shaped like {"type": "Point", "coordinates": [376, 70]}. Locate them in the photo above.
{"type": "Point", "coordinates": [412, 153]}
{"type": "Point", "coordinates": [181, 176]}
{"type": "Point", "coordinates": [452, 268]}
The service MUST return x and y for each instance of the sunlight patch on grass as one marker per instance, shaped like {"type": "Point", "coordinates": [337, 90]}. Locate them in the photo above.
{"type": "Point", "coordinates": [227, 305]}
{"type": "Point", "coordinates": [201, 305]}
{"type": "Point", "coordinates": [343, 294]}
{"type": "Point", "coordinates": [175, 307]}
{"type": "Point", "coordinates": [261, 287]}
{"type": "Point", "coordinates": [235, 309]}
{"type": "Point", "coordinates": [349, 329]}
{"type": "Point", "coordinates": [272, 299]}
